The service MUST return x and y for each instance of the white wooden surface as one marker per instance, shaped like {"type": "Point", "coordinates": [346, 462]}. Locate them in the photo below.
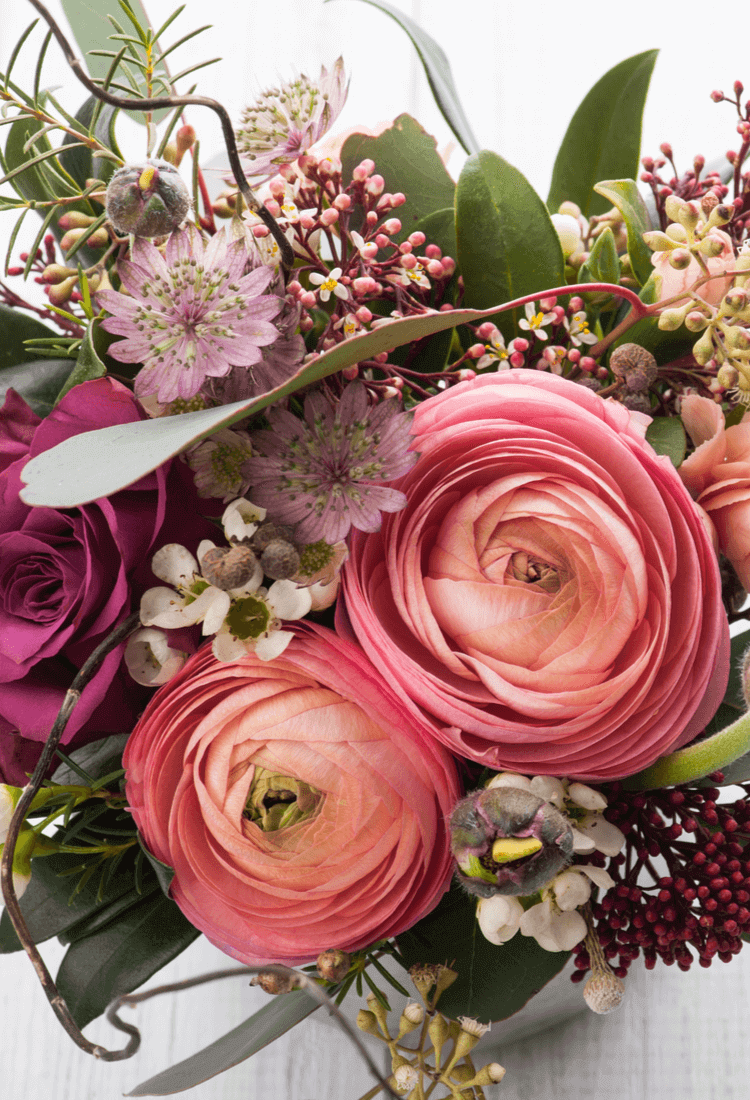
{"type": "Point", "coordinates": [521, 70]}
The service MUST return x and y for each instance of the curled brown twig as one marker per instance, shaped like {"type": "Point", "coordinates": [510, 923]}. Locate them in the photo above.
{"type": "Point", "coordinates": [285, 248]}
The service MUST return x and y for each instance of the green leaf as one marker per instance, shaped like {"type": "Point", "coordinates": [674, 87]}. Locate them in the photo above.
{"type": "Point", "coordinates": [38, 382]}
{"type": "Point", "coordinates": [47, 906]}
{"type": "Point", "coordinates": [624, 194]}
{"type": "Point", "coordinates": [121, 956]}
{"type": "Point", "coordinates": [272, 1021]}
{"type": "Point", "coordinates": [667, 436]}
{"type": "Point", "coordinates": [80, 163]}
{"type": "Point", "coordinates": [603, 139]}
{"type": "Point", "coordinates": [439, 76]}
{"type": "Point", "coordinates": [96, 464]}
{"type": "Point", "coordinates": [507, 244]}
{"type": "Point", "coordinates": [603, 264]}
{"type": "Point", "coordinates": [164, 873]}
{"type": "Point", "coordinates": [106, 914]}
{"type": "Point", "coordinates": [88, 364]}
{"type": "Point", "coordinates": [96, 759]}
{"type": "Point", "coordinates": [407, 159]}
{"type": "Point", "coordinates": [15, 327]}
{"type": "Point", "coordinates": [35, 182]}
{"type": "Point", "coordinates": [493, 982]}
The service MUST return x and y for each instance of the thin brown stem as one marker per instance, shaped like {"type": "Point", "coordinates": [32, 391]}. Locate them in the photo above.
{"type": "Point", "coordinates": [72, 696]}
{"type": "Point", "coordinates": [155, 104]}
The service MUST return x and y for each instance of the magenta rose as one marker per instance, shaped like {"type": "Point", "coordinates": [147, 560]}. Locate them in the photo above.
{"type": "Point", "coordinates": [299, 801]}
{"type": "Point", "coordinates": [68, 577]}
{"type": "Point", "coordinates": [549, 594]}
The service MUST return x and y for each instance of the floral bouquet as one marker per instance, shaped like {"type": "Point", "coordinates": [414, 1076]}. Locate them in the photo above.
{"type": "Point", "coordinates": [368, 548]}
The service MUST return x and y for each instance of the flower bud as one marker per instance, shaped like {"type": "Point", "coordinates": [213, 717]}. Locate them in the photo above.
{"type": "Point", "coordinates": [696, 320]}
{"type": "Point", "coordinates": [60, 294]}
{"type": "Point", "coordinates": [672, 207]}
{"type": "Point", "coordinates": [75, 219]}
{"type": "Point", "coordinates": [720, 215]}
{"type": "Point", "coordinates": [709, 246]}
{"type": "Point", "coordinates": [689, 215]}
{"type": "Point", "coordinates": [660, 242]}
{"type": "Point", "coordinates": [671, 319]}
{"type": "Point", "coordinates": [484, 818]}
{"type": "Point", "coordinates": [228, 568]}
{"type": "Point", "coordinates": [275, 984]}
{"type": "Point", "coordinates": [333, 964]}
{"type": "Point", "coordinates": [728, 377]}
{"type": "Point", "coordinates": [411, 1018]}
{"type": "Point", "coordinates": [55, 273]}
{"type": "Point", "coordinates": [367, 1022]}
{"type": "Point", "coordinates": [603, 992]}
{"type": "Point", "coordinates": [681, 258]}
{"type": "Point", "coordinates": [9, 797]}
{"type": "Point", "coordinates": [279, 560]}
{"type": "Point", "coordinates": [148, 200]}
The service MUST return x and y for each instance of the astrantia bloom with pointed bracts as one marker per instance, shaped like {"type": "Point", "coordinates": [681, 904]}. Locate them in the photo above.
{"type": "Point", "coordinates": [284, 122]}
{"type": "Point", "coordinates": [322, 473]}
{"type": "Point", "coordinates": [189, 314]}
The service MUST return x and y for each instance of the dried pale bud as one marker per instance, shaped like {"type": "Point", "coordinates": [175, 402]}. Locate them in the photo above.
{"type": "Point", "coordinates": [484, 817]}
{"type": "Point", "coordinates": [228, 568]}
{"type": "Point", "coordinates": [273, 983]}
{"type": "Point", "coordinates": [633, 365]}
{"type": "Point", "coordinates": [728, 377]}
{"type": "Point", "coordinates": [709, 201]}
{"type": "Point", "coordinates": [269, 532]}
{"type": "Point", "coordinates": [333, 965]}
{"type": "Point", "coordinates": [603, 992]}
{"type": "Point", "coordinates": [280, 560]}
{"type": "Point", "coordinates": [148, 200]}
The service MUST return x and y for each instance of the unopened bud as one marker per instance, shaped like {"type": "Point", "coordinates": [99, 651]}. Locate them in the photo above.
{"type": "Point", "coordinates": [75, 219]}
{"type": "Point", "coordinates": [54, 274]}
{"type": "Point", "coordinates": [735, 300]}
{"type": "Point", "coordinates": [279, 560]}
{"type": "Point", "coordinates": [681, 258]}
{"type": "Point", "coordinates": [728, 377]}
{"type": "Point", "coordinates": [275, 984]}
{"type": "Point", "coordinates": [709, 246]}
{"type": "Point", "coordinates": [702, 351]}
{"type": "Point", "coordinates": [61, 293]}
{"type": "Point", "coordinates": [333, 965]}
{"type": "Point", "coordinates": [689, 215]}
{"type": "Point", "coordinates": [367, 1022]}
{"type": "Point", "coordinates": [673, 205]}
{"type": "Point", "coordinates": [720, 215]}
{"type": "Point", "coordinates": [148, 200]}
{"type": "Point", "coordinates": [659, 242]}
{"type": "Point", "coordinates": [696, 321]}
{"type": "Point", "coordinates": [671, 319]}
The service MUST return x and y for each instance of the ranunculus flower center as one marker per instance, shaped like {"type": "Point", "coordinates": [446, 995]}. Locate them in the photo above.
{"type": "Point", "coordinates": [280, 801]}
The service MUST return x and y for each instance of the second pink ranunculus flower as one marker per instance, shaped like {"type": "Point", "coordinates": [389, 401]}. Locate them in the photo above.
{"type": "Point", "coordinates": [549, 594]}
{"type": "Point", "coordinates": [299, 802]}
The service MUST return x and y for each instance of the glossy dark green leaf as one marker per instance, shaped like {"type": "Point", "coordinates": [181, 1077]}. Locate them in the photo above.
{"type": "Point", "coordinates": [624, 194]}
{"type": "Point", "coordinates": [88, 364]}
{"type": "Point", "coordinates": [603, 264]}
{"type": "Point", "coordinates": [15, 327]}
{"type": "Point", "coordinates": [106, 914]}
{"type": "Point", "coordinates": [96, 759]}
{"type": "Point", "coordinates": [407, 159]}
{"type": "Point", "coordinates": [603, 139]}
{"type": "Point", "coordinates": [36, 182]}
{"type": "Point", "coordinates": [38, 382]}
{"type": "Point", "coordinates": [80, 162]}
{"type": "Point", "coordinates": [95, 464]}
{"type": "Point", "coordinates": [667, 436]}
{"type": "Point", "coordinates": [439, 76]}
{"type": "Point", "coordinates": [164, 873]}
{"type": "Point", "coordinates": [272, 1021]}
{"type": "Point", "coordinates": [122, 956]}
{"type": "Point", "coordinates": [507, 244]}
{"type": "Point", "coordinates": [45, 904]}
{"type": "Point", "coordinates": [493, 982]}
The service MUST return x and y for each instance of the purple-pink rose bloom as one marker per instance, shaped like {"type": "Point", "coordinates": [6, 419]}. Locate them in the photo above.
{"type": "Point", "coordinates": [68, 577]}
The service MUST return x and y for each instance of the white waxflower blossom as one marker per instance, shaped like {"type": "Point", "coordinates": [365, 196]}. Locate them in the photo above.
{"type": "Point", "coordinates": [550, 789]}
{"type": "Point", "coordinates": [329, 284]}
{"type": "Point", "coordinates": [150, 659]}
{"type": "Point", "coordinates": [510, 779]}
{"type": "Point", "coordinates": [552, 929]}
{"type": "Point", "coordinates": [190, 600]}
{"type": "Point", "coordinates": [606, 837]}
{"type": "Point", "coordinates": [254, 622]}
{"type": "Point", "coordinates": [499, 917]}
{"type": "Point", "coordinates": [586, 797]}
{"type": "Point", "coordinates": [571, 888]}
{"type": "Point", "coordinates": [240, 520]}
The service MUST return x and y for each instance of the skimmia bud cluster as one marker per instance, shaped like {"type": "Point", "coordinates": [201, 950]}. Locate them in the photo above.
{"type": "Point", "coordinates": [698, 905]}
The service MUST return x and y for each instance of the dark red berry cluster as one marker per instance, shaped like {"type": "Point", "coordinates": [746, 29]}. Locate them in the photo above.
{"type": "Point", "coordinates": [701, 908]}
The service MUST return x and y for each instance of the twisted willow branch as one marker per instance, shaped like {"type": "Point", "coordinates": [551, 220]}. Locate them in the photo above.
{"type": "Point", "coordinates": [285, 248]}
{"type": "Point", "coordinates": [72, 696]}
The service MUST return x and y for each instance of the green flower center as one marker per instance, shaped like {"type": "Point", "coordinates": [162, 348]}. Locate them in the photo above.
{"type": "Point", "coordinates": [279, 801]}
{"type": "Point", "coordinates": [248, 617]}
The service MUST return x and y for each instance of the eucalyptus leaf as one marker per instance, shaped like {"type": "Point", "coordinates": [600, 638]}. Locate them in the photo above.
{"type": "Point", "coordinates": [667, 436]}
{"type": "Point", "coordinates": [494, 982]}
{"type": "Point", "coordinates": [120, 957]}
{"type": "Point", "coordinates": [439, 76]}
{"type": "Point", "coordinates": [88, 364]}
{"type": "Point", "coordinates": [507, 244]}
{"type": "Point", "coordinates": [603, 139]}
{"type": "Point", "coordinates": [272, 1021]}
{"type": "Point", "coordinates": [15, 328]}
{"type": "Point", "coordinates": [96, 464]}
{"type": "Point", "coordinates": [407, 159]}
{"type": "Point", "coordinates": [624, 194]}
{"type": "Point", "coordinates": [47, 906]}
{"type": "Point", "coordinates": [38, 382]}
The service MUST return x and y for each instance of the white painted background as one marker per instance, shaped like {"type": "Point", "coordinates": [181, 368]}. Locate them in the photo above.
{"type": "Point", "coordinates": [521, 70]}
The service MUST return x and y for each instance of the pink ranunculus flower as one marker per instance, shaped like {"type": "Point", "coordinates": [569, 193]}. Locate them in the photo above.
{"type": "Point", "coordinates": [300, 803]}
{"type": "Point", "coordinates": [549, 594]}
{"type": "Point", "coordinates": [717, 473]}
{"type": "Point", "coordinates": [675, 282]}
{"type": "Point", "coordinates": [68, 577]}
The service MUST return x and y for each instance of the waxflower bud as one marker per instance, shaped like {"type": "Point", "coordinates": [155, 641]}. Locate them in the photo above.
{"type": "Point", "coordinates": [508, 841]}
{"type": "Point", "coordinates": [333, 965]}
{"type": "Point", "coordinates": [228, 568]}
{"type": "Point", "coordinates": [279, 560]}
{"type": "Point", "coordinates": [148, 200]}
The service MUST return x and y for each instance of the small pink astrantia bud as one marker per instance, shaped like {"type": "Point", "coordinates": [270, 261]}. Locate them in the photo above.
{"type": "Point", "coordinates": [508, 841]}
{"type": "Point", "coordinates": [147, 200]}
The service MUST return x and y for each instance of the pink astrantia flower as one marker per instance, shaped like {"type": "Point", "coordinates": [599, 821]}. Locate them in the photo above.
{"type": "Point", "coordinates": [284, 122]}
{"type": "Point", "coordinates": [323, 473]}
{"type": "Point", "coordinates": [190, 314]}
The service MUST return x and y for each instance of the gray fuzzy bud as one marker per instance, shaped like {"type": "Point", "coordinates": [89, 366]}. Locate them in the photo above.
{"type": "Point", "coordinates": [147, 200]}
